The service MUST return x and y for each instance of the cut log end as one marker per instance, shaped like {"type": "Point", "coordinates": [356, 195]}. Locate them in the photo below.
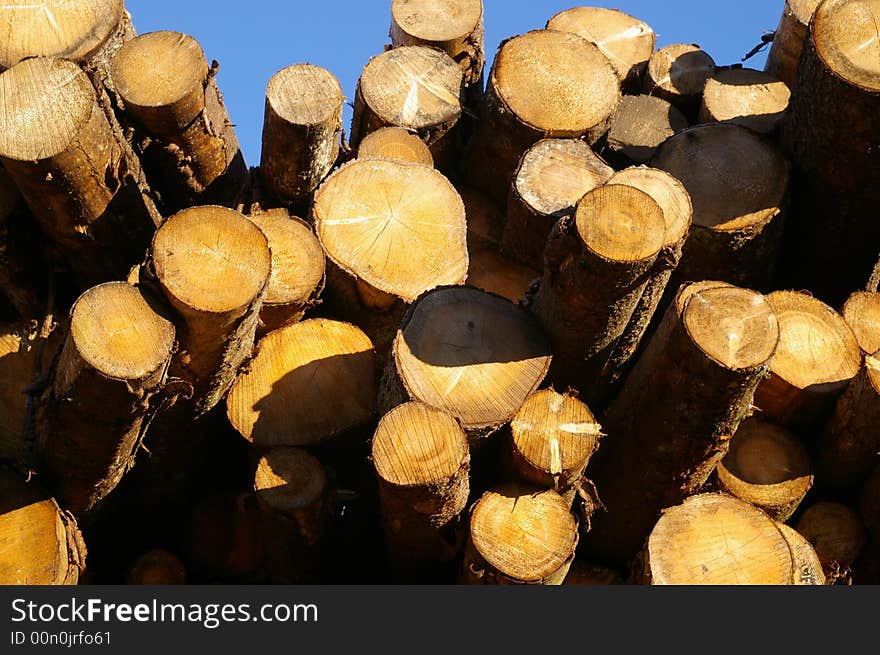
{"type": "Point", "coordinates": [678, 72]}
{"type": "Point", "coordinates": [289, 479]}
{"type": "Point", "coordinates": [395, 143]}
{"type": "Point", "coordinates": [627, 42]}
{"type": "Point", "coordinates": [431, 21]}
{"type": "Point", "coordinates": [735, 327]}
{"type": "Point", "coordinates": [768, 467]}
{"type": "Point", "coordinates": [416, 446]}
{"type": "Point", "coordinates": [640, 126]}
{"type": "Point", "coordinates": [555, 435]}
{"type": "Point", "coordinates": [161, 75]}
{"type": "Point", "coordinates": [524, 534]}
{"type": "Point", "coordinates": [473, 354]}
{"type": "Point", "coordinates": [308, 382]}
{"type": "Point", "coordinates": [211, 259]}
{"type": "Point", "coordinates": [817, 357]}
{"type": "Point", "coordinates": [621, 223]}
{"type": "Point", "coordinates": [668, 192]}
{"type": "Point", "coordinates": [157, 567]}
{"type": "Point", "coordinates": [47, 103]}
{"type": "Point", "coordinates": [304, 95]}
{"type": "Point", "coordinates": [32, 29]}
{"type": "Point", "coordinates": [116, 332]}
{"type": "Point", "coordinates": [862, 314]}
{"type": "Point", "coordinates": [491, 271]}
{"type": "Point", "coordinates": [368, 209]}
{"type": "Point", "coordinates": [556, 82]}
{"type": "Point", "coordinates": [845, 34]}
{"type": "Point", "coordinates": [718, 540]}
{"type": "Point", "coordinates": [836, 533]}
{"type": "Point", "coordinates": [808, 567]}
{"type": "Point", "coordinates": [746, 97]}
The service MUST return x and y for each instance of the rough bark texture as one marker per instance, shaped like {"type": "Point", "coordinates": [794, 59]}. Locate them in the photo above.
{"type": "Point", "coordinates": [788, 42]}
{"type": "Point", "coordinates": [830, 135]}
{"type": "Point", "coordinates": [670, 425]}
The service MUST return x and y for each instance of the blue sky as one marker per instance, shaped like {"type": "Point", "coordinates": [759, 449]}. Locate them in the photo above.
{"type": "Point", "coordinates": [255, 38]}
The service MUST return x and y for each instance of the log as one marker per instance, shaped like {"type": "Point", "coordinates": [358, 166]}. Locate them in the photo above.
{"type": "Point", "coordinates": [491, 271]}
{"type": "Point", "coordinates": [808, 568]}
{"type": "Point", "coordinates": [816, 359]}
{"type": "Point", "coordinates": [103, 393]}
{"type": "Point", "coordinates": [157, 567]}
{"type": "Point", "coordinates": [301, 127]}
{"type": "Point", "coordinates": [212, 266]}
{"type": "Point", "coordinates": [596, 266]}
{"type": "Point", "coordinates": [627, 42]}
{"type": "Point", "coordinates": [639, 127]}
{"type": "Point", "coordinates": [520, 535]}
{"type": "Point", "coordinates": [747, 97]}
{"type": "Point", "coordinates": [391, 231]}
{"type": "Point", "coordinates": [453, 26]}
{"type": "Point", "coordinates": [472, 354]}
{"type": "Point", "coordinates": [862, 313]}
{"type": "Point", "coordinates": [738, 183]}
{"type": "Point", "coordinates": [41, 544]}
{"type": "Point", "coordinates": [74, 171]}
{"type": "Point", "coordinates": [849, 446]}
{"type": "Point", "coordinates": [836, 533]}
{"type": "Point", "coordinates": [768, 467]}
{"type": "Point", "coordinates": [422, 463]}
{"type": "Point", "coordinates": [671, 196]}
{"type": "Point", "coordinates": [191, 155]}
{"type": "Point", "coordinates": [553, 175]}
{"type": "Point", "coordinates": [298, 264]}
{"type": "Point", "coordinates": [395, 143]}
{"type": "Point", "coordinates": [417, 88]}
{"type": "Point", "coordinates": [829, 135]}
{"type": "Point", "coordinates": [715, 539]}
{"type": "Point", "coordinates": [678, 73]}
{"type": "Point", "coordinates": [672, 421]}
{"type": "Point", "coordinates": [281, 400]}
{"type": "Point", "coordinates": [788, 42]}
{"type": "Point", "coordinates": [543, 84]}
{"type": "Point", "coordinates": [291, 491]}
{"type": "Point", "coordinates": [552, 438]}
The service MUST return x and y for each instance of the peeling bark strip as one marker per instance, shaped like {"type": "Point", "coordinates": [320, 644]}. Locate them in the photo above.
{"type": "Point", "coordinates": [692, 544]}
{"type": "Point", "coordinates": [472, 354]}
{"type": "Point", "coordinates": [738, 184]}
{"type": "Point", "coordinates": [75, 172]}
{"type": "Point", "coordinates": [746, 97]}
{"type": "Point", "coordinates": [675, 202]}
{"type": "Point", "coordinates": [520, 535]}
{"type": "Point", "coordinates": [41, 543]}
{"type": "Point", "coordinates": [101, 399]}
{"type": "Point", "coordinates": [191, 154]}
{"type": "Point", "coordinates": [788, 43]}
{"type": "Point", "coordinates": [291, 490]}
{"type": "Point", "coordinates": [626, 41]}
{"type": "Point", "coordinates": [768, 467]}
{"type": "Point", "coordinates": [453, 26]}
{"type": "Point", "coordinates": [553, 175]}
{"type": "Point", "coordinates": [417, 88]}
{"type": "Point", "coordinates": [213, 267]}
{"type": "Point", "coordinates": [543, 84]}
{"type": "Point", "coordinates": [831, 135]}
{"type": "Point", "coordinates": [640, 126]}
{"type": "Point", "coordinates": [672, 420]}
{"type": "Point", "coordinates": [552, 438]}
{"type": "Point", "coordinates": [422, 462]}
{"type": "Point", "coordinates": [298, 263]}
{"type": "Point", "coordinates": [817, 357]}
{"type": "Point", "coordinates": [301, 126]}
{"type": "Point", "coordinates": [678, 73]}
{"type": "Point", "coordinates": [596, 266]}
{"type": "Point", "coordinates": [391, 231]}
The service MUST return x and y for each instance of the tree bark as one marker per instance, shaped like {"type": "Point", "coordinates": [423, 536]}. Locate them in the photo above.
{"type": "Point", "coordinates": [188, 144]}
{"type": "Point", "coordinates": [788, 42]}
{"type": "Point", "coordinates": [671, 423]}
{"type": "Point", "coordinates": [301, 126]}
{"type": "Point", "coordinates": [102, 394]}
{"type": "Point", "coordinates": [523, 103]}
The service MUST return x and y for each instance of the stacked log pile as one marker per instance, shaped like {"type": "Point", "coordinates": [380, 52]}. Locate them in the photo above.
{"type": "Point", "coordinates": [587, 312]}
